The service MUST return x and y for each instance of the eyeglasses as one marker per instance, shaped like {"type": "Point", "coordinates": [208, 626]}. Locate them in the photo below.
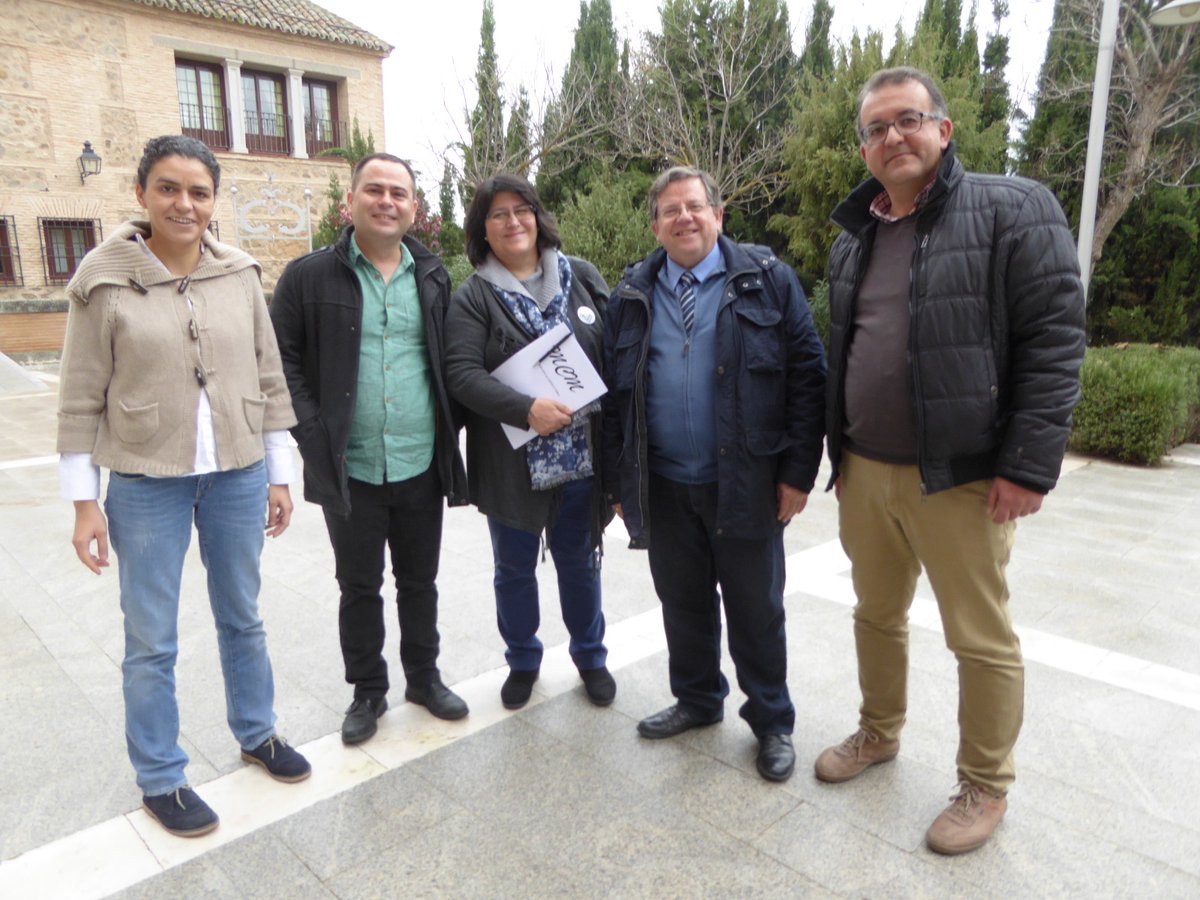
{"type": "Point", "coordinates": [523, 213]}
{"type": "Point", "coordinates": [908, 122]}
{"type": "Point", "coordinates": [669, 213]}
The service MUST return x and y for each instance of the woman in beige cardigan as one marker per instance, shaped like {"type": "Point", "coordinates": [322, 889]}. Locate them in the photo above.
{"type": "Point", "coordinates": [171, 379]}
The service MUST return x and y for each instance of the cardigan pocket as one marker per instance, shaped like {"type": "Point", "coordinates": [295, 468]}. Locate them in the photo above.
{"type": "Point", "coordinates": [134, 424]}
{"type": "Point", "coordinates": [255, 409]}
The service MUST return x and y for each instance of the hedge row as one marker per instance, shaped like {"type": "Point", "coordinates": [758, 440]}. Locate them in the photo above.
{"type": "Point", "coordinates": [1139, 401]}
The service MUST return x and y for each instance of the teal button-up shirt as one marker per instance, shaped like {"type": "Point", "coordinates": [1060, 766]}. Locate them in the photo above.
{"type": "Point", "coordinates": [392, 434]}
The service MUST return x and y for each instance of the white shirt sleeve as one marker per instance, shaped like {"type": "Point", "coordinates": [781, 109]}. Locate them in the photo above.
{"type": "Point", "coordinates": [78, 478]}
{"type": "Point", "coordinates": [281, 465]}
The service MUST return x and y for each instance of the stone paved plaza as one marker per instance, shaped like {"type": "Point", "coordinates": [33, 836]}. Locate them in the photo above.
{"type": "Point", "coordinates": [563, 799]}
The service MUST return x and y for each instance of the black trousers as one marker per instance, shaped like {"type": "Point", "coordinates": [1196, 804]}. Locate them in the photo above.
{"type": "Point", "coordinates": [688, 560]}
{"type": "Point", "coordinates": [404, 517]}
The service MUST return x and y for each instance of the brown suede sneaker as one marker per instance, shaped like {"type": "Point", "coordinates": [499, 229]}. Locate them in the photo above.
{"type": "Point", "coordinates": [968, 822]}
{"type": "Point", "coordinates": [853, 756]}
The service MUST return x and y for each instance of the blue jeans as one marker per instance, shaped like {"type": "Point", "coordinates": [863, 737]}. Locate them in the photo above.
{"type": "Point", "coordinates": [517, 613]}
{"type": "Point", "coordinates": [150, 524]}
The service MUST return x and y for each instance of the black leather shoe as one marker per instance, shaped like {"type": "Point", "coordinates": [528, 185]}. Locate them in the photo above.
{"type": "Point", "coordinates": [776, 757]}
{"type": "Point", "coordinates": [599, 684]}
{"type": "Point", "coordinates": [675, 720]}
{"type": "Point", "coordinates": [360, 721]}
{"type": "Point", "coordinates": [517, 688]}
{"type": "Point", "coordinates": [438, 699]}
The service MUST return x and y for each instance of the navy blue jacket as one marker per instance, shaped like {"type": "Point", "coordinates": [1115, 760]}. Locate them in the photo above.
{"type": "Point", "coordinates": [770, 390]}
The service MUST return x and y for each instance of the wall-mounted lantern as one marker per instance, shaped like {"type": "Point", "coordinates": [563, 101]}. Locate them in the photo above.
{"type": "Point", "coordinates": [89, 162]}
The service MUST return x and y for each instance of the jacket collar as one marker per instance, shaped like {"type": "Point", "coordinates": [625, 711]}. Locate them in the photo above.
{"type": "Point", "coordinates": [424, 260]}
{"type": "Point", "coordinates": [738, 261]}
{"type": "Point", "coordinates": [854, 213]}
{"type": "Point", "coordinates": [641, 275]}
{"type": "Point", "coordinates": [120, 261]}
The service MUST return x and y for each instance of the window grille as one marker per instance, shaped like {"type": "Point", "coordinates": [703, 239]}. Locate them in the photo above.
{"type": "Point", "coordinates": [202, 110]}
{"type": "Point", "coordinates": [10, 254]}
{"type": "Point", "coordinates": [64, 243]}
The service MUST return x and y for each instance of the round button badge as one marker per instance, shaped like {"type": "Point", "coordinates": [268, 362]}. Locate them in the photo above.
{"type": "Point", "coordinates": [586, 316]}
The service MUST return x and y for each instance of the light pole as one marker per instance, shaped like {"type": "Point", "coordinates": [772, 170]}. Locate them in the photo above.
{"type": "Point", "coordinates": [1095, 145]}
{"type": "Point", "coordinates": [1177, 12]}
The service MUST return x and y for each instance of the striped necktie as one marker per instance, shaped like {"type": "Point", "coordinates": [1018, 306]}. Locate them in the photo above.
{"type": "Point", "coordinates": [687, 302]}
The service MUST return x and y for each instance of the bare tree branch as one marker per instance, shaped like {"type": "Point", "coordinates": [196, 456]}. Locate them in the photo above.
{"type": "Point", "coordinates": [720, 104]}
{"type": "Point", "coordinates": [1153, 133]}
{"type": "Point", "coordinates": [566, 136]}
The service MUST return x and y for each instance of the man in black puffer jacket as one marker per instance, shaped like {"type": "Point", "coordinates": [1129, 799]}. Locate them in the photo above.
{"type": "Point", "coordinates": [957, 336]}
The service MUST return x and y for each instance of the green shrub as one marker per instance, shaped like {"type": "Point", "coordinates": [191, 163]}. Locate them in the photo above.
{"type": "Point", "coordinates": [1138, 402]}
{"type": "Point", "coordinates": [818, 302]}
{"type": "Point", "coordinates": [459, 269]}
{"type": "Point", "coordinates": [608, 225]}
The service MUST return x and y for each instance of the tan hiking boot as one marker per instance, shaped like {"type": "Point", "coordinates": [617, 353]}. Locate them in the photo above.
{"type": "Point", "coordinates": [853, 756]}
{"type": "Point", "coordinates": [968, 822]}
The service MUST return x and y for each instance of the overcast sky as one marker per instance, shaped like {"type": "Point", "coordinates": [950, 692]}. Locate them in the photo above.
{"type": "Point", "coordinates": [428, 77]}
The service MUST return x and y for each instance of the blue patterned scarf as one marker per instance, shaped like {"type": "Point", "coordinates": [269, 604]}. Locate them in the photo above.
{"type": "Point", "coordinates": [565, 455]}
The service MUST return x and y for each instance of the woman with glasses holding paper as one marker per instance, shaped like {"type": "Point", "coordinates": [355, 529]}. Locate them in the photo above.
{"type": "Point", "coordinates": [523, 287]}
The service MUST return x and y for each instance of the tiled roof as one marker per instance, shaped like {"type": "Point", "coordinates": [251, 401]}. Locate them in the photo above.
{"type": "Point", "coordinates": [289, 16]}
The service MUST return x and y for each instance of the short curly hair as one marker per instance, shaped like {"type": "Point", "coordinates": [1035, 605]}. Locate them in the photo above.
{"type": "Point", "coordinates": [159, 148]}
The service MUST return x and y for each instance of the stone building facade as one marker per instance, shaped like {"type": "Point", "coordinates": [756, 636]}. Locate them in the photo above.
{"type": "Point", "coordinates": [267, 84]}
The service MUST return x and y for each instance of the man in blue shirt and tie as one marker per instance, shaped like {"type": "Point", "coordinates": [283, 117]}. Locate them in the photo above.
{"type": "Point", "coordinates": [713, 428]}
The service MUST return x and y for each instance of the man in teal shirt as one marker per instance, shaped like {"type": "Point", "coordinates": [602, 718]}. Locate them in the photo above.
{"type": "Point", "coordinates": [360, 332]}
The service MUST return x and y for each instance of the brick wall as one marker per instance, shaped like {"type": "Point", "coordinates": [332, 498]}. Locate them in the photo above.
{"type": "Point", "coordinates": [33, 335]}
{"type": "Point", "coordinates": [104, 71]}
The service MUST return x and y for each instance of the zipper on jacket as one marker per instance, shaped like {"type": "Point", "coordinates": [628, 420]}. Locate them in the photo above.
{"type": "Point", "coordinates": [445, 467]}
{"type": "Point", "coordinates": [918, 418]}
{"type": "Point", "coordinates": [864, 260]}
{"type": "Point", "coordinates": [639, 413]}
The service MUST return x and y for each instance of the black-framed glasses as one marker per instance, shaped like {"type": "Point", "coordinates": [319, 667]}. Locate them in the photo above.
{"type": "Point", "coordinates": [524, 213]}
{"type": "Point", "coordinates": [908, 122]}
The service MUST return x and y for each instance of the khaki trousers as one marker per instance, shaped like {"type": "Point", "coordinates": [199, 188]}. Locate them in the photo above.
{"type": "Point", "coordinates": [889, 529]}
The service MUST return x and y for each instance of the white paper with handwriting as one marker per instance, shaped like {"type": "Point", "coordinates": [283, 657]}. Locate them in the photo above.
{"type": "Point", "coordinates": [553, 366]}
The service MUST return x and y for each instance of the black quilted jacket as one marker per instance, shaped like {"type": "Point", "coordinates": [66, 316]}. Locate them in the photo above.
{"type": "Point", "coordinates": [997, 333]}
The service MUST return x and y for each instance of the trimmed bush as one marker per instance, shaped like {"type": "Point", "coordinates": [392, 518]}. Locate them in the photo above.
{"type": "Point", "coordinates": [1138, 402]}
{"type": "Point", "coordinates": [459, 269]}
{"type": "Point", "coordinates": [818, 302]}
{"type": "Point", "coordinates": [608, 225]}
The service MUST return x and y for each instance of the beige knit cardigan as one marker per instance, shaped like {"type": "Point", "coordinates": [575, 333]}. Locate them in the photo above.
{"type": "Point", "coordinates": [136, 352]}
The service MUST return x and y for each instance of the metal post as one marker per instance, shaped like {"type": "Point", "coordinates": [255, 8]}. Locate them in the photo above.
{"type": "Point", "coordinates": [308, 215]}
{"type": "Point", "coordinates": [1095, 146]}
{"type": "Point", "coordinates": [237, 231]}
